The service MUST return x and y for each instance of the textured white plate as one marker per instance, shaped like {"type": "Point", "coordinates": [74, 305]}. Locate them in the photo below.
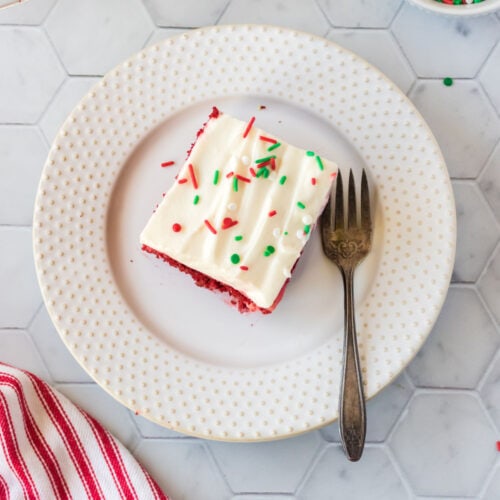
{"type": "Point", "coordinates": [177, 354]}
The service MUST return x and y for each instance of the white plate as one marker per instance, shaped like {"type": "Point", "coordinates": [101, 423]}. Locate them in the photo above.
{"type": "Point", "coordinates": [177, 354]}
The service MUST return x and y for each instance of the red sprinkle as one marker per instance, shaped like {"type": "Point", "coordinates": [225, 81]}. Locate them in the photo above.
{"type": "Point", "coordinates": [264, 164]}
{"type": "Point", "coordinates": [182, 181]}
{"type": "Point", "coordinates": [241, 178]}
{"type": "Point", "coordinates": [244, 268]}
{"type": "Point", "coordinates": [168, 163]}
{"type": "Point", "coordinates": [498, 445]}
{"type": "Point", "coordinates": [212, 228]}
{"type": "Point", "coordinates": [176, 227]}
{"type": "Point", "coordinates": [273, 164]}
{"type": "Point", "coordinates": [227, 222]}
{"type": "Point", "coordinates": [272, 213]}
{"type": "Point", "coordinates": [193, 177]}
{"type": "Point", "coordinates": [249, 126]}
{"type": "Point", "coordinates": [313, 181]}
{"type": "Point", "coordinates": [267, 139]}
{"type": "Point", "coordinates": [230, 174]}
{"type": "Point", "coordinates": [252, 171]}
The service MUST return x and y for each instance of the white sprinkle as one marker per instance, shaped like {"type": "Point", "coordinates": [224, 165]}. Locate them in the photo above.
{"type": "Point", "coordinates": [287, 273]}
{"type": "Point", "coordinates": [300, 234]}
{"type": "Point", "coordinates": [232, 207]}
{"type": "Point", "coordinates": [276, 232]}
{"type": "Point", "coordinates": [245, 160]}
{"type": "Point", "coordinates": [307, 219]}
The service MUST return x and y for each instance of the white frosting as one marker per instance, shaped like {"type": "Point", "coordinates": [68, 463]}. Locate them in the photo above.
{"type": "Point", "coordinates": [222, 147]}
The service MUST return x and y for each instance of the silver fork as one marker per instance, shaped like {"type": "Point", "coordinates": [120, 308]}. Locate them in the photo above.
{"type": "Point", "coordinates": [346, 246]}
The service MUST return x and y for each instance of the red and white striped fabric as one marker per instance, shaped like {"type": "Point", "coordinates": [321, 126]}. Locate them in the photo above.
{"type": "Point", "coordinates": [50, 449]}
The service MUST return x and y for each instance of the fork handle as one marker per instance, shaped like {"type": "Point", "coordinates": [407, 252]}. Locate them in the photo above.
{"type": "Point", "coordinates": [352, 402]}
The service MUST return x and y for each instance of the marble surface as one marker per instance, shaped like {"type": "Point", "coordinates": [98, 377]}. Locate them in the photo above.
{"type": "Point", "coordinates": [433, 432]}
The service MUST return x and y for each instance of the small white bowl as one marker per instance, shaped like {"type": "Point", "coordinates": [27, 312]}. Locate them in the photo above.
{"type": "Point", "coordinates": [474, 9]}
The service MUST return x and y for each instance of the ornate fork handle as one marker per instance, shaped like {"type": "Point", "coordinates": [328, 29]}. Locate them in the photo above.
{"type": "Point", "coordinates": [352, 418]}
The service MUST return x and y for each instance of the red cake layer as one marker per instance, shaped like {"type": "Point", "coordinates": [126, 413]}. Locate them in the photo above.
{"type": "Point", "coordinates": [242, 302]}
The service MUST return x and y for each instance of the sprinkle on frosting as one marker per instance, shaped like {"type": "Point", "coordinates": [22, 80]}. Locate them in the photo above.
{"type": "Point", "coordinates": [227, 222]}
{"type": "Point", "coordinates": [307, 219]}
{"type": "Point", "coordinates": [216, 177]}
{"type": "Point", "coordinates": [196, 199]}
{"type": "Point", "coordinates": [267, 139]}
{"type": "Point", "coordinates": [182, 181]}
{"type": "Point", "coordinates": [283, 180]}
{"type": "Point", "coordinates": [244, 268]}
{"type": "Point", "coordinates": [193, 176]}
{"type": "Point", "coordinates": [235, 184]}
{"type": "Point", "coordinates": [235, 258]}
{"type": "Point", "coordinates": [307, 228]}
{"type": "Point", "coordinates": [238, 238]}
{"type": "Point", "coordinates": [301, 205]}
{"type": "Point", "coordinates": [274, 146]}
{"type": "Point", "coordinates": [310, 153]}
{"type": "Point", "coordinates": [230, 174]}
{"type": "Point", "coordinates": [313, 181]}
{"type": "Point", "coordinates": [269, 250]}
{"type": "Point", "coordinates": [243, 178]}
{"type": "Point", "coordinates": [176, 227]}
{"type": "Point", "coordinates": [320, 163]}
{"type": "Point", "coordinates": [265, 159]}
{"type": "Point", "coordinates": [448, 81]}
{"type": "Point", "coordinates": [272, 213]}
{"type": "Point", "coordinates": [249, 126]}
{"type": "Point", "coordinates": [167, 164]}
{"type": "Point", "coordinates": [252, 172]}
{"type": "Point", "coordinates": [212, 228]}
{"type": "Point", "coordinates": [263, 172]}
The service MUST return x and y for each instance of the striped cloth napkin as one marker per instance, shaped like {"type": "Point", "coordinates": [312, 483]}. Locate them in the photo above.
{"type": "Point", "coordinates": [50, 449]}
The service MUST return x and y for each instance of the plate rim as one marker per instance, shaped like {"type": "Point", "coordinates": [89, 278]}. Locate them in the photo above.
{"type": "Point", "coordinates": [47, 298]}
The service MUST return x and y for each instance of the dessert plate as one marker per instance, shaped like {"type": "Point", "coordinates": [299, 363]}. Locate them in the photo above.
{"type": "Point", "coordinates": [179, 355]}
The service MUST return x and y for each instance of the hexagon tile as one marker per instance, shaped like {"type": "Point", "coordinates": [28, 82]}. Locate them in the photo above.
{"type": "Point", "coordinates": [460, 346]}
{"type": "Point", "coordinates": [445, 444]}
{"type": "Point", "coordinates": [467, 108]}
{"type": "Point", "coordinates": [22, 152]}
{"type": "Point", "coordinates": [34, 74]}
{"type": "Point", "coordinates": [459, 46]}
{"type": "Point", "coordinates": [302, 15]}
{"type": "Point", "coordinates": [432, 434]}
{"type": "Point", "coordinates": [381, 481]}
{"type": "Point", "coordinates": [118, 28]}
{"type": "Point", "coordinates": [477, 231]}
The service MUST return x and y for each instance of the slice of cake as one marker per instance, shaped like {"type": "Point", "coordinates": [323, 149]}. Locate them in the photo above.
{"type": "Point", "coordinates": [240, 212]}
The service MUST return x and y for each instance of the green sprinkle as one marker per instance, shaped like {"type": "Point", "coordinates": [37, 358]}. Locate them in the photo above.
{"type": "Point", "coordinates": [269, 250]}
{"type": "Point", "coordinates": [267, 158]}
{"type": "Point", "coordinates": [301, 205]}
{"type": "Point", "coordinates": [235, 184]}
{"type": "Point", "coordinates": [196, 200]}
{"type": "Point", "coordinates": [307, 228]}
{"type": "Point", "coordinates": [448, 81]}
{"type": "Point", "coordinates": [310, 153]}
{"type": "Point", "coordinates": [263, 172]}
{"type": "Point", "coordinates": [274, 146]}
{"type": "Point", "coordinates": [216, 177]}
{"type": "Point", "coordinates": [320, 163]}
{"type": "Point", "coordinates": [235, 258]}
{"type": "Point", "coordinates": [283, 180]}
{"type": "Point", "coordinates": [286, 233]}
{"type": "Point", "coordinates": [238, 238]}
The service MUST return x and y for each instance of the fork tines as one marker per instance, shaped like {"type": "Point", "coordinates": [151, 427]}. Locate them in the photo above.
{"type": "Point", "coordinates": [352, 219]}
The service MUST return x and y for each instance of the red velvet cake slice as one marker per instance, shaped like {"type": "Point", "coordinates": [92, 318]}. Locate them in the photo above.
{"type": "Point", "coordinates": [240, 212]}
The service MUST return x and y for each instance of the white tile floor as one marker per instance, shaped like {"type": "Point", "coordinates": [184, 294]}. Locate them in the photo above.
{"type": "Point", "coordinates": [433, 432]}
